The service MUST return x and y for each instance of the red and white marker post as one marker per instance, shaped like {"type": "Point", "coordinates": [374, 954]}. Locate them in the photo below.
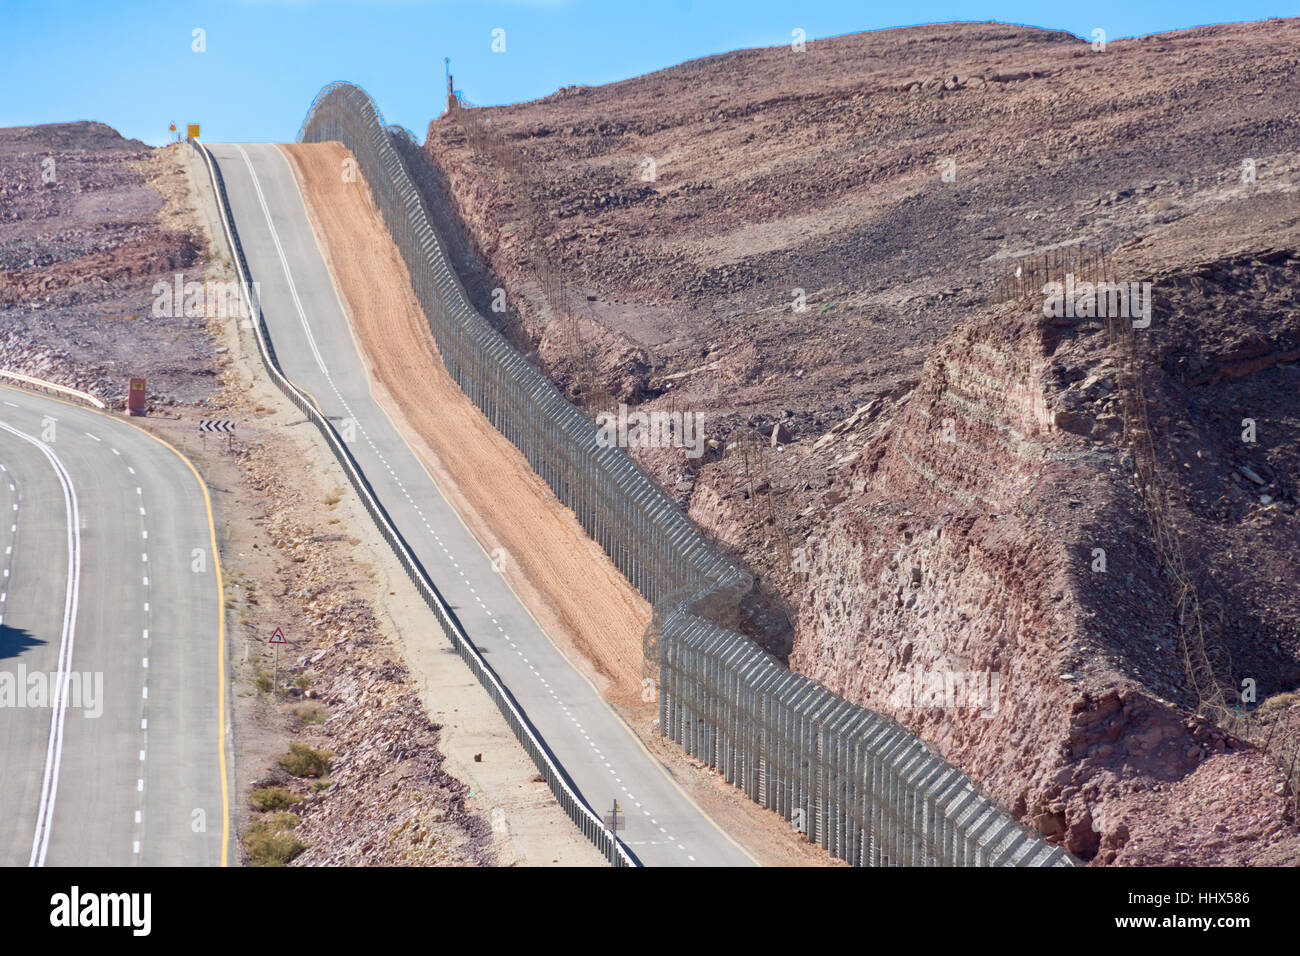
{"type": "Point", "coordinates": [277, 639]}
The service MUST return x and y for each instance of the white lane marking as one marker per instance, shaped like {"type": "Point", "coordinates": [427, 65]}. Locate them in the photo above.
{"type": "Point", "coordinates": [54, 749]}
{"type": "Point", "coordinates": [89, 435]}
{"type": "Point", "coordinates": [144, 663]}
{"type": "Point", "coordinates": [130, 469]}
{"type": "Point", "coordinates": [11, 404]}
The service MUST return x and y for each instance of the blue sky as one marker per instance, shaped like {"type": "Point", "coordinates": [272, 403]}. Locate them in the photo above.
{"type": "Point", "coordinates": [130, 63]}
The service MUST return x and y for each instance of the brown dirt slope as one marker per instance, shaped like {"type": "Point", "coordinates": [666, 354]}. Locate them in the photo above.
{"type": "Point", "coordinates": [586, 603]}
{"type": "Point", "coordinates": [882, 548]}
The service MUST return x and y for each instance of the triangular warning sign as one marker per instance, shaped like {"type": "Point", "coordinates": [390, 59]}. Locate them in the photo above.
{"type": "Point", "coordinates": [277, 637]}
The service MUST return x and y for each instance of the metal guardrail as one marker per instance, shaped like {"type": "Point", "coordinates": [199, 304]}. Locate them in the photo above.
{"type": "Point", "coordinates": [31, 382]}
{"type": "Point", "coordinates": [851, 780]}
{"type": "Point", "coordinates": [566, 792]}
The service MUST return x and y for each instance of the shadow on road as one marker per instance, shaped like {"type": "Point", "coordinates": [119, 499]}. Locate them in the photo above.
{"type": "Point", "coordinates": [13, 641]}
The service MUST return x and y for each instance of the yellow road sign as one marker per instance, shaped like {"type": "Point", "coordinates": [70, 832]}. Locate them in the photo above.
{"type": "Point", "coordinates": [193, 131]}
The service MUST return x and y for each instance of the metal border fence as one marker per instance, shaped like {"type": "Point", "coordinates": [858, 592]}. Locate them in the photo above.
{"type": "Point", "coordinates": [851, 780]}
{"type": "Point", "coordinates": [564, 789]}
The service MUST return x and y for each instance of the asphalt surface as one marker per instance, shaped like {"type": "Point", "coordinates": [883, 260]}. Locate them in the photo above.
{"type": "Point", "coordinates": [107, 573]}
{"type": "Point", "coordinates": [314, 345]}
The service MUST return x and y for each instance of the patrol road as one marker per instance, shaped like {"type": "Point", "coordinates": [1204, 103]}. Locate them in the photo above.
{"type": "Point", "coordinates": [313, 342]}
{"type": "Point", "coordinates": [112, 684]}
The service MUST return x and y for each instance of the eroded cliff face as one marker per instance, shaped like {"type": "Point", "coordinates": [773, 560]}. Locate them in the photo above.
{"type": "Point", "coordinates": [989, 581]}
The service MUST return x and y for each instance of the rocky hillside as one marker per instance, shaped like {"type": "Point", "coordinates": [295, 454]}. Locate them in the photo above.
{"type": "Point", "coordinates": [824, 170]}
{"type": "Point", "coordinates": [947, 466]}
{"type": "Point", "coordinates": [81, 247]}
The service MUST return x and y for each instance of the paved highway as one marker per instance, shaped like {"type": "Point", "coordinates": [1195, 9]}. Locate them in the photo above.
{"type": "Point", "coordinates": [110, 590]}
{"type": "Point", "coordinates": [316, 350]}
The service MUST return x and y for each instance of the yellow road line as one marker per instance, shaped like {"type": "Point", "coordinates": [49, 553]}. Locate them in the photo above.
{"type": "Point", "coordinates": [221, 643]}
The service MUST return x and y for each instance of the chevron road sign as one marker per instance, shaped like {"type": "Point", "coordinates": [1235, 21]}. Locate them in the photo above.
{"type": "Point", "coordinates": [217, 425]}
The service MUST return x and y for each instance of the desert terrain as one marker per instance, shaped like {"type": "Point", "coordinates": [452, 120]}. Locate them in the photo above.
{"type": "Point", "coordinates": [815, 242]}
{"type": "Point", "coordinates": [421, 768]}
{"type": "Point", "coordinates": [814, 251]}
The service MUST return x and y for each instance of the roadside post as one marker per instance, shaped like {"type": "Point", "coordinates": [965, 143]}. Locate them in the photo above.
{"type": "Point", "coordinates": [276, 640]}
{"type": "Point", "coordinates": [613, 819]}
{"type": "Point", "coordinates": [135, 396]}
